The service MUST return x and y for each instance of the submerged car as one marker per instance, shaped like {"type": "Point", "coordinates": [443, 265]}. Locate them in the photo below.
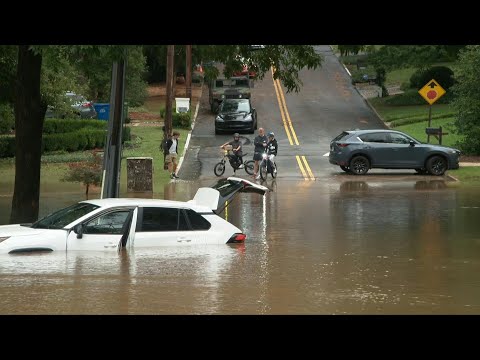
{"type": "Point", "coordinates": [358, 151]}
{"type": "Point", "coordinates": [236, 115]}
{"type": "Point", "coordinates": [113, 224]}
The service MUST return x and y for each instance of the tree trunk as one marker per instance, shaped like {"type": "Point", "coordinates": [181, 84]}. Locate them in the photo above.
{"type": "Point", "coordinates": [169, 89]}
{"type": "Point", "coordinates": [188, 72]}
{"type": "Point", "coordinates": [29, 118]}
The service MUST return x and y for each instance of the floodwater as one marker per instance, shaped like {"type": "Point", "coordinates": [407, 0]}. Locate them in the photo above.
{"type": "Point", "coordinates": [342, 247]}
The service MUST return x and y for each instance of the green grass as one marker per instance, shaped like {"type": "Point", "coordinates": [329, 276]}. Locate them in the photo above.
{"type": "Point", "coordinates": [391, 113]}
{"type": "Point", "coordinates": [469, 175]}
{"type": "Point", "coordinates": [399, 76]}
{"type": "Point", "coordinates": [154, 104]}
{"type": "Point", "coordinates": [54, 166]}
{"type": "Point", "coordinates": [417, 130]}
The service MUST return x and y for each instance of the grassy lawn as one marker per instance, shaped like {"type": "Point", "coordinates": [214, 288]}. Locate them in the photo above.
{"type": "Point", "coordinates": [468, 175]}
{"type": "Point", "coordinates": [420, 112]}
{"type": "Point", "coordinates": [417, 130]}
{"type": "Point", "coordinates": [146, 141]}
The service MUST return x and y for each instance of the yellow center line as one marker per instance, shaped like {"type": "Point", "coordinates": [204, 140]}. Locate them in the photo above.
{"type": "Point", "coordinates": [287, 123]}
{"type": "Point", "coordinates": [281, 113]}
{"type": "Point", "coordinates": [312, 177]}
{"type": "Point", "coordinates": [286, 112]}
{"type": "Point", "coordinates": [301, 167]}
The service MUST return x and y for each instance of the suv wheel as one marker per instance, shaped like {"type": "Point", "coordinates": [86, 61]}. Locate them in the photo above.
{"type": "Point", "coordinates": [437, 165]}
{"type": "Point", "coordinates": [359, 165]}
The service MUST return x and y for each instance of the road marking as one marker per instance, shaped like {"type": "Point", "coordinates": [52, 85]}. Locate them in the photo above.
{"type": "Point", "coordinates": [283, 104]}
{"type": "Point", "coordinates": [301, 167]}
{"type": "Point", "coordinates": [312, 177]}
{"type": "Point", "coordinates": [282, 114]}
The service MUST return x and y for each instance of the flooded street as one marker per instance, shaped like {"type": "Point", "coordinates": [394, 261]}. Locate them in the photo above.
{"type": "Point", "coordinates": [342, 247]}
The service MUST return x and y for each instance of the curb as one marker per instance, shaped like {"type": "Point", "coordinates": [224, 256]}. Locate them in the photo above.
{"type": "Point", "coordinates": [189, 136]}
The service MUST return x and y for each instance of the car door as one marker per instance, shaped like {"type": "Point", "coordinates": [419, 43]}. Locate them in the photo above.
{"type": "Point", "coordinates": [377, 147]}
{"type": "Point", "coordinates": [403, 154]}
{"type": "Point", "coordinates": [162, 226]}
{"type": "Point", "coordinates": [101, 232]}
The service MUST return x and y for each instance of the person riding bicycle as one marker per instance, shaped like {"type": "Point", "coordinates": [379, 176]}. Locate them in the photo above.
{"type": "Point", "coordinates": [237, 150]}
{"type": "Point", "coordinates": [272, 149]}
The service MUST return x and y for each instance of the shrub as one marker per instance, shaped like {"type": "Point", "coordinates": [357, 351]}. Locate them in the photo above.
{"type": "Point", "coordinates": [60, 126]}
{"type": "Point", "coordinates": [182, 120]}
{"type": "Point", "coordinates": [412, 97]}
{"type": "Point", "coordinates": [442, 74]}
{"type": "Point", "coordinates": [7, 146]}
{"type": "Point", "coordinates": [7, 118]}
{"type": "Point", "coordinates": [88, 172]}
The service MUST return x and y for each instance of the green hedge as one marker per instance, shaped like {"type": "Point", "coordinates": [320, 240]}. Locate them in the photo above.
{"type": "Point", "coordinates": [61, 126]}
{"type": "Point", "coordinates": [412, 97]}
{"type": "Point", "coordinates": [83, 135]}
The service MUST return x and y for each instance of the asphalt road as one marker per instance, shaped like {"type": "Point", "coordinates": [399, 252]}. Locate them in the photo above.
{"type": "Point", "coordinates": [304, 123]}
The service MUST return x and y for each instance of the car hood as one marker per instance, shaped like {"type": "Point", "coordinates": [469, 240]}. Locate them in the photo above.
{"type": "Point", "coordinates": [18, 230]}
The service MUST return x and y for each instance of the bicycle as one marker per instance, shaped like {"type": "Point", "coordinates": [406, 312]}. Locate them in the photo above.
{"type": "Point", "coordinates": [268, 166]}
{"type": "Point", "coordinates": [219, 168]}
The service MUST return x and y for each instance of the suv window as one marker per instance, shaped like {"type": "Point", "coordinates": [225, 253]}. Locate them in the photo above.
{"type": "Point", "coordinates": [399, 139]}
{"type": "Point", "coordinates": [110, 223]}
{"type": "Point", "coordinates": [197, 221]}
{"type": "Point", "coordinates": [163, 219]}
{"type": "Point", "coordinates": [374, 137]}
{"type": "Point", "coordinates": [342, 136]}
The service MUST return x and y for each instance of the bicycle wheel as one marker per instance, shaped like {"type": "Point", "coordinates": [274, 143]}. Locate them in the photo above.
{"type": "Point", "coordinates": [249, 166]}
{"type": "Point", "coordinates": [263, 170]}
{"type": "Point", "coordinates": [274, 171]}
{"type": "Point", "coordinates": [219, 169]}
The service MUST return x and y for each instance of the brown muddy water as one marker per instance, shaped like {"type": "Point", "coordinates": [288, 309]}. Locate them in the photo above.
{"type": "Point", "coordinates": [351, 247]}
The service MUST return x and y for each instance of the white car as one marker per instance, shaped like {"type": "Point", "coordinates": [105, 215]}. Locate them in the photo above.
{"type": "Point", "coordinates": [112, 224]}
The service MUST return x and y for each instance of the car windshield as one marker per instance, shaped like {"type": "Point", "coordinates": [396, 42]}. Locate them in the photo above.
{"type": "Point", "coordinates": [232, 83]}
{"type": "Point", "coordinates": [63, 217]}
{"type": "Point", "coordinates": [235, 106]}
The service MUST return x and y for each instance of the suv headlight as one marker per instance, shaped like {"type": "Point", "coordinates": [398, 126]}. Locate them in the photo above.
{"type": "Point", "coordinates": [248, 117]}
{"type": "Point", "coordinates": [4, 238]}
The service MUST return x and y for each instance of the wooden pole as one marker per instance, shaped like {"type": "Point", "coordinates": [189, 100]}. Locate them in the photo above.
{"type": "Point", "coordinates": [188, 72]}
{"type": "Point", "coordinates": [170, 80]}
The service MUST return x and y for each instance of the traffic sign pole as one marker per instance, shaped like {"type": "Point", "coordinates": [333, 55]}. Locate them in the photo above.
{"type": "Point", "coordinates": [429, 121]}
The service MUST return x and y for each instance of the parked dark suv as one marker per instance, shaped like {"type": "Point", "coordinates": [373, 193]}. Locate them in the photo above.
{"type": "Point", "coordinates": [361, 150]}
{"type": "Point", "coordinates": [81, 108]}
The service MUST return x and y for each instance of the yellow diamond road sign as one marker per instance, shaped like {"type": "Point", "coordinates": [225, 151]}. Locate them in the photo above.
{"type": "Point", "coordinates": [432, 91]}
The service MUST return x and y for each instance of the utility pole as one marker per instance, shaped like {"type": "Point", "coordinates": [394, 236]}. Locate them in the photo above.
{"type": "Point", "coordinates": [188, 72]}
{"type": "Point", "coordinates": [113, 148]}
{"type": "Point", "coordinates": [170, 80]}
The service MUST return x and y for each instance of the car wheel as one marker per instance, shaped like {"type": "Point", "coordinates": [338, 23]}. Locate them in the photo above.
{"type": "Point", "coordinates": [256, 125]}
{"type": "Point", "coordinates": [437, 165]}
{"type": "Point", "coordinates": [422, 171]}
{"type": "Point", "coordinates": [249, 166]}
{"type": "Point", "coordinates": [217, 132]}
{"type": "Point", "coordinates": [359, 165]}
{"type": "Point", "coordinates": [219, 169]}
{"type": "Point", "coordinates": [345, 168]}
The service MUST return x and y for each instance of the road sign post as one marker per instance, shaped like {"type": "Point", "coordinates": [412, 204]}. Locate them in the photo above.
{"type": "Point", "coordinates": [431, 92]}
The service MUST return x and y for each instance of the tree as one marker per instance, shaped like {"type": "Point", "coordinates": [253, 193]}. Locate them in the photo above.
{"type": "Point", "coordinates": [419, 56]}
{"type": "Point", "coordinates": [286, 60]}
{"type": "Point", "coordinates": [466, 100]}
{"type": "Point", "coordinates": [88, 172]}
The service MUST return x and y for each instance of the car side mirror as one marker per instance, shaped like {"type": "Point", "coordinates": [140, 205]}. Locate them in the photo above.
{"type": "Point", "coordinates": [79, 231]}
{"type": "Point", "coordinates": [412, 143]}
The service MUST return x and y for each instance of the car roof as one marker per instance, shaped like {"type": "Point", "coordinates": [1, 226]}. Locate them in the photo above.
{"type": "Point", "coordinates": [365, 131]}
{"type": "Point", "coordinates": [146, 202]}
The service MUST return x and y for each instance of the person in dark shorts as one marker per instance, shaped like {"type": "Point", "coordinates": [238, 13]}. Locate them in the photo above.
{"type": "Point", "coordinates": [236, 149]}
{"type": "Point", "coordinates": [260, 143]}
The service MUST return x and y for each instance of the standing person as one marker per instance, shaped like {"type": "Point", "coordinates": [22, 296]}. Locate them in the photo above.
{"type": "Point", "coordinates": [260, 143]}
{"type": "Point", "coordinates": [237, 149]}
{"type": "Point", "coordinates": [171, 158]}
{"type": "Point", "coordinates": [272, 149]}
